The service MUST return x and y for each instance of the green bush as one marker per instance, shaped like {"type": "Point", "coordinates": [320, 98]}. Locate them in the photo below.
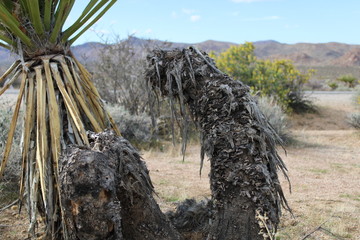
{"type": "Point", "coordinates": [276, 117]}
{"type": "Point", "coordinates": [278, 78]}
{"type": "Point", "coordinates": [333, 85]}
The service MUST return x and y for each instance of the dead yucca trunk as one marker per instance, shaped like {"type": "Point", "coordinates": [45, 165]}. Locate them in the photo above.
{"type": "Point", "coordinates": [238, 140]}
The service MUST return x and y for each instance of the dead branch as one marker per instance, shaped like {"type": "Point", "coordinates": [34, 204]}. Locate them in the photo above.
{"type": "Point", "coordinates": [9, 206]}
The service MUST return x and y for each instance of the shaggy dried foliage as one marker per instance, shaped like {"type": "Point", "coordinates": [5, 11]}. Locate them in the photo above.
{"type": "Point", "coordinates": [192, 218]}
{"type": "Point", "coordinates": [235, 135]}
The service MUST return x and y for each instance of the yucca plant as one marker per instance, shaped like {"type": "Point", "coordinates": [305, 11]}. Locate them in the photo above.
{"type": "Point", "coordinates": [61, 102]}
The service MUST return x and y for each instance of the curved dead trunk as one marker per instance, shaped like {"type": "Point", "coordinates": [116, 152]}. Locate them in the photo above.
{"type": "Point", "coordinates": [107, 193]}
{"type": "Point", "coordinates": [241, 145]}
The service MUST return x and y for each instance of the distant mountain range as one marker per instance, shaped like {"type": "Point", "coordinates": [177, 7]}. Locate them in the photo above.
{"type": "Point", "coordinates": [304, 55]}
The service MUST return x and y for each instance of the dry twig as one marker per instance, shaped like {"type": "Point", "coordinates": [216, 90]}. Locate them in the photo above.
{"type": "Point", "coordinates": [9, 206]}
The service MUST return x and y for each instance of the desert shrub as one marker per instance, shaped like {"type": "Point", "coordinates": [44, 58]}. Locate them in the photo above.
{"type": "Point", "coordinates": [333, 85]}
{"type": "Point", "coordinates": [276, 117]}
{"type": "Point", "coordinates": [118, 73]}
{"type": "Point", "coordinates": [349, 80]}
{"type": "Point", "coordinates": [354, 120]}
{"type": "Point", "coordinates": [9, 183]}
{"type": "Point", "coordinates": [135, 128]}
{"type": "Point", "coordinates": [278, 78]}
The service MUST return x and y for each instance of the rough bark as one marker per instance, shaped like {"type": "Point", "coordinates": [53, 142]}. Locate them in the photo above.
{"type": "Point", "coordinates": [107, 193]}
{"type": "Point", "coordinates": [238, 140]}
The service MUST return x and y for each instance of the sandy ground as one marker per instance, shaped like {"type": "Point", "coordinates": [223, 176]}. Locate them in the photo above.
{"type": "Point", "coordinates": [324, 168]}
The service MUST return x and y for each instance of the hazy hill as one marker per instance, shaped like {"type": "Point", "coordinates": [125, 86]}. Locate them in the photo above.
{"type": "Point", "coordinates": [305, 54]}
{"type": "Point", "coordinates": [332, 59]}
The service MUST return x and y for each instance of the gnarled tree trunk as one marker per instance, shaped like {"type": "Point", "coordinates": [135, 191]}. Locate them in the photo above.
{"type": "Point", "coordinates": [107, 193]}
{"type": "Point", "coordinates": [241, 145]}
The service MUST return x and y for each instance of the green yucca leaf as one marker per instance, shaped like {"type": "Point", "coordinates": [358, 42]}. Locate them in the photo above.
{"type": "Point", "coordinates": [47, 14]}
{"type": "Point", "coordinates": [24, 5]}
{"type": "Point", "coordinates": [61, 14]}
{"type": "Point", "coordinates": [5, 46]}
{"type": "Point", "coordinates": [13, 25]}
{"type": "Point", "coordinates": [9, 4]}
{"type": "Point", "coordinates": [84, 17]}
{"type": "Point", "coordinates": [36, 23]}
{"type": "Point", "coordinates": [6, 39]}
{"type": "Point", "coordinates": [71, 41]}
{"type": "Point", "coordinates": [34, 14]}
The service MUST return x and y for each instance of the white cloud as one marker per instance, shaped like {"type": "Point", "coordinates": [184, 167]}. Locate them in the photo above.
{"type": "Point", "coordinates": [195, 18]}
{"type": "Point", "coordinates": [188, 11]}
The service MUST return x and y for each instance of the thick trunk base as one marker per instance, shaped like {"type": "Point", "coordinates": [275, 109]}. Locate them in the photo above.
{"type": "Point", "coordinates": [107, 193]}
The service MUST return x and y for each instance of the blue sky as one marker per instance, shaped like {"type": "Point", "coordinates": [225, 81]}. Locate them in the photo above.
{"type": "Point", "coordinates": [193, 21]}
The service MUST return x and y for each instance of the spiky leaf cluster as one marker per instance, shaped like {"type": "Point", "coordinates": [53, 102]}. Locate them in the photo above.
{"type": "Point", "coordinates": [35, 27]}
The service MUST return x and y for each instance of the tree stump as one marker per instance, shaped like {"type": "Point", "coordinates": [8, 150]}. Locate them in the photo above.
{"type": "Point", "coordinates": [107, 193]}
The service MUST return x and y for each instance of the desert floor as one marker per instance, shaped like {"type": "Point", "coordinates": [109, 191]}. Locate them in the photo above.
{"type": "Point", "coordinates": [323, 164]}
